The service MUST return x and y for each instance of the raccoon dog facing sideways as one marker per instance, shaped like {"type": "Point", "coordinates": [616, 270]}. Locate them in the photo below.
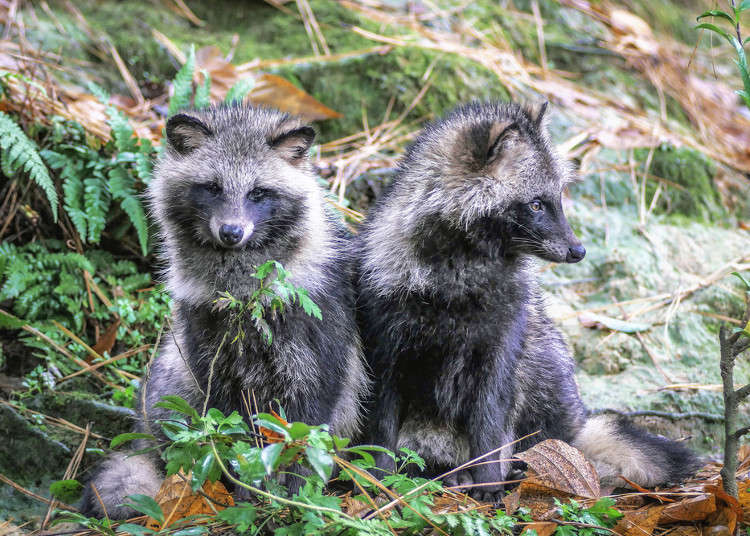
{"type": "Point", "coordinates": [452, 319]}
{"type": "Point", "coordinates": [234, 189]}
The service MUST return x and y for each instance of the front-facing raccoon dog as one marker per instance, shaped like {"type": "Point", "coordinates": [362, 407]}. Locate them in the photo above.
{"type": "Point", "coordinates": [234, 189]}
{"type": "Point", "coordinates": [451, 315]}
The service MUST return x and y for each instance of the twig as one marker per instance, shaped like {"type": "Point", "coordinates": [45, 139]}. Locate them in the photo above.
{"type": "Point", "coordinates": [731, 347]}
{"type": "Point", "coordinates": [710, 417]}
{"type": "Point", "coordinates": [33, 495]}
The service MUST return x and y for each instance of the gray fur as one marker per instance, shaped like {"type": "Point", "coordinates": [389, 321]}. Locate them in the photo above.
{"type": "Point", "coordinates": [247, 167]}
{"type": "Point", "coordinates": [451, 314]}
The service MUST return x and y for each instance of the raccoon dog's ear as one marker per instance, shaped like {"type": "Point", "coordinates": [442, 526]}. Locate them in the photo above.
{"type": "Point", "coordinates": [537, 113]}
{"type": "Point", "coordinates": [186, 133]}
{"type": "Point", "coordinates": [499, 134]}
{"type": "Point", "coordinates": [294, 144]}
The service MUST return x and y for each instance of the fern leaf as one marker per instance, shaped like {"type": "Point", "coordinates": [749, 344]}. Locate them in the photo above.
{"type": "Point", "coordinates": [73, 197]}
{"type": "Point", "coordinates": [203, 92]}
{"type": "Point", "coordinates": [96, 202]}
{"type": "Point", "coordinates": [239, 90]}
{"type": "Point", "coordinates": [121, 184]}
{"type": "Point", "coordinates": [183, 84]}
{"type": "Point", "coordinates": [143, 165]}
{"type": "Point", "coordinates": [121, 130]}
{"type": "Point", "coordinates": [19, 152]}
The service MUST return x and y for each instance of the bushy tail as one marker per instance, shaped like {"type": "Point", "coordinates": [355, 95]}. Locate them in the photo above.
{"type": "Point", "coordinates": [118, 476]}
{"type": "Point", "coordinates": [617, 448]}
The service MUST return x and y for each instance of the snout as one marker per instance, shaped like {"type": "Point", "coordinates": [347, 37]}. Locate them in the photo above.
{"type": "Point", "coordinates": [575, 253]}
{"type": "Point", "coordinates": [230, 235]}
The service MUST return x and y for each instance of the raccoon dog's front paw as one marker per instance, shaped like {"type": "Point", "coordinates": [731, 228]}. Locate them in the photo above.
{"type": "Point", "coordinates": [489, 494]}
{"type": "Point", "coordinates": [459, 481]}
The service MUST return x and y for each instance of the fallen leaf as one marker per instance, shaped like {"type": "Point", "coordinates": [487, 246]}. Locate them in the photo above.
{"type": "Point", "coordinates": [562, 467]}
{"type": "Point", "coordinates": [178, 501]}
{"type": "Point", "coordinates": [512, 501]}
{"type": "Point", "coordinates": [107, 340]}
{"type": "Point", "coordinates": [691, 509]}
{"type": "Point", "coordinates": [272, 90]}
{"type": "Point", "coordinates": [731, 503]}
{"type": "Point", "coordinates": [271, 436]}
{"type": "Point", "coordinates": [640, 522]}
{"type": "Point", "coordinates": [542, 528]}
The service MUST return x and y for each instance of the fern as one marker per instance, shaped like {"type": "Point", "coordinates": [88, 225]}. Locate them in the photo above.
{"type": "Point", "coordinates": [70, 172]}
{"type": "Point", "coordinates": [96, 201]}
{"type": "Point", "coordinates": [203, 92]}
{"type": "Point", "coordinates": [21, 153]}
{"type": "Point", "coordinates": [239, 90]}
{"type": "Point", "coordinates": [122, 186]}
{"type": "Point", "coordinates": [183, 84]}
{"type": "Point", "coordinates": [123, 134]}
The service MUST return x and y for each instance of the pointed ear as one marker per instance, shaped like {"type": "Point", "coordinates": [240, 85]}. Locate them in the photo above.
{"type": "Point", "coordinates": [537, 113]}
{"type": "Point", "coordinates": [500, 134]}
{"type": "Point", "coordinates": [294, 144]}
{"type": "Point", "coordinates": [482, 143]}
{"type": "Point", "coordinates": [186, 133]}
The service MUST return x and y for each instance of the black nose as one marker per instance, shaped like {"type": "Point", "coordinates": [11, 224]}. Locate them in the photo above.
{"type": "Point", "coordinates": [230, 234]}
{"type": "Point", "coordinates": [575, 253]}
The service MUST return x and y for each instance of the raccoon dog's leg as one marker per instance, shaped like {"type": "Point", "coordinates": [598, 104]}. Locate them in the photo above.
{"type": "Point", "coordinates": [121, 475]}
{"type": "Point", "coordinates": [618, 448]}
{"type": "Point", "coordinates": [383, 423]}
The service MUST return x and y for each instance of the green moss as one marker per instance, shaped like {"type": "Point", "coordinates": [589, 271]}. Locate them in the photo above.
{"type": "Point", "coordinates": [370, 81]}
{"type": "Point", "coordinates": [694, 195]}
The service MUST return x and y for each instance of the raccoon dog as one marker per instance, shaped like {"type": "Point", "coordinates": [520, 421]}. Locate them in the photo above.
{"type": "Point", "coordinates": [452, 318]}
{"type": "Point", "coordinates": [234, 189]}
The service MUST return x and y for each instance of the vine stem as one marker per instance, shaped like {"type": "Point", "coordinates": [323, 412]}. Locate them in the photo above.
{"type": "Point", "coordinates": [263, 493]}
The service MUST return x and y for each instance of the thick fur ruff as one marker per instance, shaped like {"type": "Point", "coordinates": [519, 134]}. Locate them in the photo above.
{"type": "Point", "coordinates": [248, 167]}
{"type": "Point", "coordinates": [452, 318]}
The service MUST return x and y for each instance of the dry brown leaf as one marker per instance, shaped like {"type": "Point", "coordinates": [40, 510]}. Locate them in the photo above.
{"type": "Point", "coordinates": [562, 467]}
{"type": "Point", "coordinates": [691, 509]}
{"type": "Point", "coordinates": [743, 493]}
{"type": "Point", "coordinates": [107, 340]}
{"type": "Point", "coordinates": [685, 530]}
{"type": "Point", "coordinates": [639, 522]}
{"type": "Point", "coordinates": [269, 435]}
{"type": "Point", "coordinates": [732, 503]}
{"type": "Point", "coordinates": [178, 501]}
{"type": "Point", "coordinates": [542, 528]}
{"type": "Point", "coordinates": [512, 501]}
{"type": "Point", "coordinates": [272, 90]}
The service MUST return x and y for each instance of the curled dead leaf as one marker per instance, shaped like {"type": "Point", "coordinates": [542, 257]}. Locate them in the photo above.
{"type": "Point", "coordinates": [690, 509]}
{"type": "Point", "coordinates": [178, 501]}
{"type": "Point", "coordinates": [561, 467]}
{"type": "Point", "coordinates": [640, 522]}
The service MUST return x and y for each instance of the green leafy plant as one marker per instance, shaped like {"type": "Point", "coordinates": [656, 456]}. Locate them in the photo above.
{"type": "Point", "coordinates": [734, 37]}
{"type": "Point", "coordinates": [46, 286]}
{"type": "Point", "coordinates": [271, 297]}
{"type": "Point", "coordinates": [258, 459]}
{"type": "Point", "coordinates": [595, 520]}
{"type": "Point", "coordinates": [18, 154]}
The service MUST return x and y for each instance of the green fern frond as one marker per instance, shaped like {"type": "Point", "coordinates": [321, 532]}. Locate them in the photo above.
{"type": "Point", "coordinates": [122, 186]}
{"type": "Point", "coordinates": [71, 172]}
{"type": "Point", "coordinates": [96, 202]}
{"type": "Point", "coordinates": [20, 153]}
{"type": "Point", "coordinates": [203, 92]}
{"type": "Point", "coordinates": [183, 84]}
{"type": "Point", "coordinates": [143, 165]}
{"type": "Point", "coordinates": [122, 131]}
{"type": "Point", "coordinates": [239, 90]}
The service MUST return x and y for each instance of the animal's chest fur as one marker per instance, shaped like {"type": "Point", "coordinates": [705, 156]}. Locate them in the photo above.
{"type": "Point", "coordinates": [453, 346]}
{"type": "Point", "coordinates": [243, 362]}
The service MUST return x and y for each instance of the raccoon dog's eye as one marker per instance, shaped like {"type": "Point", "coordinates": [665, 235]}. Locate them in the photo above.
{"type": "Point", "coordinates": [536, 205]}
{"type": "Point", "coordinates": [212, 188]}
{"type": "Point", "coordinates": [258, 194]}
